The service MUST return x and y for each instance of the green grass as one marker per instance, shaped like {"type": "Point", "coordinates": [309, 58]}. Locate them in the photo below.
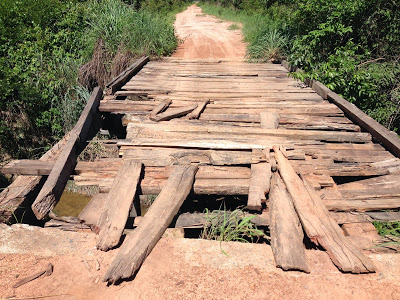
{"type": "Point", "coordinates": [387, 228]}
{"type": "Point", "coordinates": [225, 226]}
{"type": "Point", "coordinates": [234, 26]}
{"type": "Point", "coordinates": [120, 26]}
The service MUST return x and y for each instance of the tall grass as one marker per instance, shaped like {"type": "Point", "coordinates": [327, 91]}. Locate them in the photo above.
{"type": "Point", "coordinates": [121, 26]}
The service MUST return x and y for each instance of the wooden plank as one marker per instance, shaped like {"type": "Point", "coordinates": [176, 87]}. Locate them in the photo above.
{"type": "Point", "coordinates": [138, 245]}
{"type": "Point", "coordinates": [259, 185]}
{"type": "Point", "coordinates": [317, 223]}
{"type": "Point", "coordinates": [173, 113]}
{"type": "Point", "coordinates": [118, 204]}
{"type": "Point", "coordinates": [227, 130]}
{"type": "Point", "coordinates": [196, 112]}
{"type": "Point", "coordinates": [122, 78]}
{"type": "Point", "coordinates": [285, 229]}
{"type": "Point", "coordinates": [388, 138]}
{"type": "Point", "coordinates": [91, 213]}
{"type": "Point", "coordinates": [160, 107]}
{"type": "Point", "coordinates": [269, 119]}
{"type": "Point", "coordinates": [55, 183]}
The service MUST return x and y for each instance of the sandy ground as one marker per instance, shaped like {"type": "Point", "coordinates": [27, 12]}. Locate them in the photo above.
{"type": "Point", "coordinates": [205, 37]}
{"type": "Point", "coordinates": [179, 268]}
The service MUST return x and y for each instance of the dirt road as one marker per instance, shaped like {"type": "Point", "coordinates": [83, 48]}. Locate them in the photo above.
{"type": "Point", "coordinates": [206, 36]}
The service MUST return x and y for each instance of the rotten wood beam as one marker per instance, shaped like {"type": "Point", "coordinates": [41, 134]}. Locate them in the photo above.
{"type": "Point", "coordinates": [118, 204]}
{"type": "Point", "coordinates": [318, 224]}
{"type": "Point", "coordinates": [286, 230]}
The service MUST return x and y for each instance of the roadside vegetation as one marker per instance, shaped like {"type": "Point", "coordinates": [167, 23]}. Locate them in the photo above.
{"type": "Point", "coordinates": [53, 52]}
{"type": "Point", "coordinates": [352, 46]}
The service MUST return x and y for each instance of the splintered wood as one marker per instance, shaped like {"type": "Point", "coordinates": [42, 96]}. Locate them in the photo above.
{"type": "Point", "coordinates": [118, 204]}
{"type": "Point", "coordinates": [318, 224]}
{"type": "Point", "coordinates": [285, 228]}
{"type": "Point", "coordinates": [139, 244]}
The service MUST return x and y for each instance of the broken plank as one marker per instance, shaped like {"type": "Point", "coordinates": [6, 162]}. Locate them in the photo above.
{"type": "Point", "coordinates": [138, 245]}
{"type": "Point", "coordinates": [317, 223]}
{"type": "Point", "coordinates": [118, 204]}
{"type": "Point", "coordinates": [196, 112]}
{"type": "Point", "coordinates": [173, 113]}
{"type": "Point", "coordinates": [160, 107]}
{"type": "Point", "coordinates": [285, 228]}
{"type": "Point", "coordinates": [55, 183]}
{"type": "Point", "coordinates": [259, 185]}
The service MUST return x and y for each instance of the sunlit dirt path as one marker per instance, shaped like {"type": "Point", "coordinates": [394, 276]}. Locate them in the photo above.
{"type": "Point", "coordinates": [205, 36]}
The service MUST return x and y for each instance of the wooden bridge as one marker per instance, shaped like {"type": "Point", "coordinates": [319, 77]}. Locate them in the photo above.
{"type": "Point", "coordinates": [308, 160]}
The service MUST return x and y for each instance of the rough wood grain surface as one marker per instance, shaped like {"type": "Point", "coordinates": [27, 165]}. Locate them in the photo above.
{"type": "Point", "coordinates": [259, 185]}
{"type": "Point", "coordinates": [285, 229]}
{"type": "Point", "coordinates": [173, 113]}
{"type": "Point", "coordinates": [138, 245]}
{"type": "Point", "coordinates": [317, 223]}
{"type": "Point", "coordinates": [119, 201]}
{"type": "Point", "coordinates": [269, 119]}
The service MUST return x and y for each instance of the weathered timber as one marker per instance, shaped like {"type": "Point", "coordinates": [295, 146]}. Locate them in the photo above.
{"type": "Point", "coordinates": [160, 107]}
{"type": "Point", "coordinates": [285, 228]}
{"type": "Point", "coordinates": [317, 223]}
{"type": "Point", "coordinates": [122, 78]}
{"type": "Point", "coordinates": [118, 204]}
{"type": "Point", "coordinates": [22, 192]}
{"type": "Point", "coordinates": [259, 185]}
{"type": "Point", "coordinates": [269, 120]}
{"type": "Point", "coordinates": [227, 130]}
{"type": "Point", "coordinates": [55, 183]}
{"type": "Point", "coordinates": [138, 245]}
{"type": "Point", "coordinates": [173, 113]}
{"type": "Point", "coordinates": [197, 111]}
{"type": "Point", "coordinates": [389, 139]}
{"type": "Point", "coordinates": [91, 213]}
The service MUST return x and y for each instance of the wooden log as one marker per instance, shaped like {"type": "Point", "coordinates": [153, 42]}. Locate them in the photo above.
{"type": "Point", "coordinates": [388, 138]}
{"type": "Point", "coordinates": [138, 245]}
{"type": "Point", "coordinates": [122, 78]}
{"type": "Point", "coordinates": [259, 185]}
{"type": "Point", "coordinates": [173, 113]}
{"type": "Point", "coordinates": [118, 204]}
{"type": "Point", "coordinates": [317, 223]}
{"type": "Point", "coordinates": [55, 183]}
{"type": "Point", "coordinates": [285, 228]}
{"type": "Point", "coordinates": [269, 119]}
{"type": "Point", "coordinates": [160, 107]}
{"type": "Point", "coordinates": [197, 111]}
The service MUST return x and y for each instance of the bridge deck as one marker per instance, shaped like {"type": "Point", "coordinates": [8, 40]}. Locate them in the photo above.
{"type": "Point", "coordinates": [318, 138]}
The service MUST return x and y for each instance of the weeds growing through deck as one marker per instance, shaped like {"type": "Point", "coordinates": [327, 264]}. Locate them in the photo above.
{"type": "Point", "coordinates": [226, 226]}
{"type": "Point", "coordinates": [391, 232]}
